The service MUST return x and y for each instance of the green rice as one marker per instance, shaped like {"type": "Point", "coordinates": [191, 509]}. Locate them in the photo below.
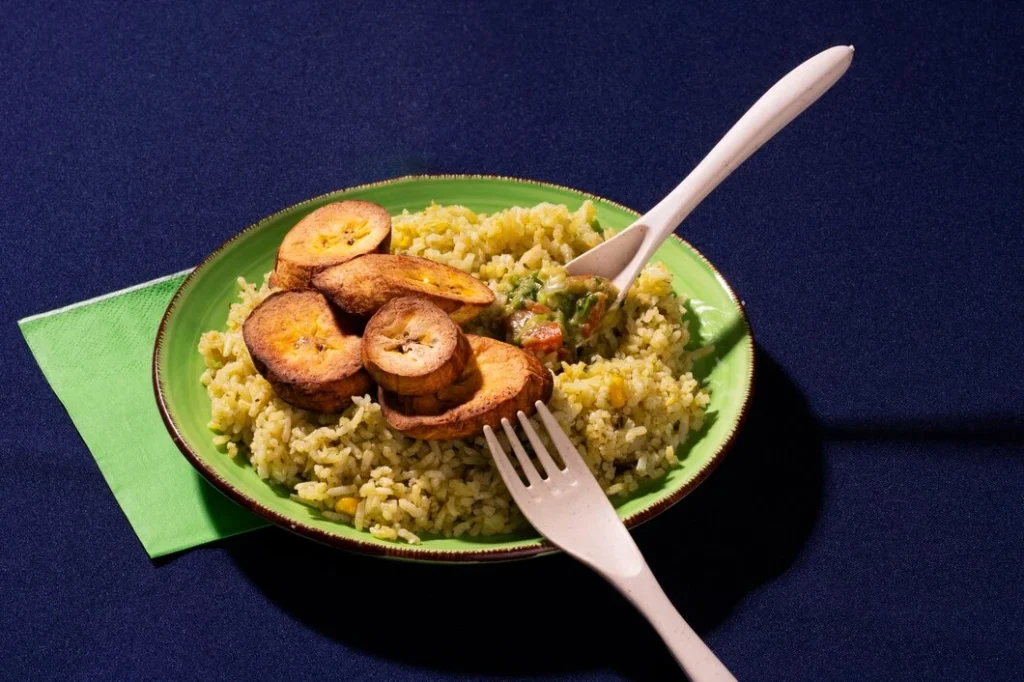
{"type": "Point", "coordinates": [627, 404]}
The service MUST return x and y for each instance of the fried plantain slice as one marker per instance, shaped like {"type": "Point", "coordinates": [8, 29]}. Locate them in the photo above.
{"type": "Point", "coordinates": [363, 285]}
{"type": "Point", "coordinates": [498, 381]}
{"type": "Point", "coordinates": [412, 347]}
{"type": "Point", "coordinates": [330, 235]}
{"type": "Point", "coordinates": [306, 351]}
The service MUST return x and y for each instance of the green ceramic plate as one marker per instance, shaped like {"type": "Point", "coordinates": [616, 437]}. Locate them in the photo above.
{"type": "Point", "coordinates": [202, 303]}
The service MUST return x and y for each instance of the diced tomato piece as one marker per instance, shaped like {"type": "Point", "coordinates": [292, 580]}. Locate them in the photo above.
{"type": "Point", "coordinates": [538, 308]}
{"type": "Point", "coordinates": [543, 339]}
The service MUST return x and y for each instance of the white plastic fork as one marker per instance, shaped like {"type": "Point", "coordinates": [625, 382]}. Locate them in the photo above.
{"type": "Point", "coordinates": [621, 258]}
{"type": "Point", "coordinates": [569, 508]}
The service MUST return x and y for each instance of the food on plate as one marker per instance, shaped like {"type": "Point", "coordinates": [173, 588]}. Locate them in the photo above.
{"type": "Point", "coordinates": [499, 381]}
{"type": "Point", "coordinates": [299, 345]}
{"type": "Point", "coordinates": [363, 285]}
{"type": "Point", "coordinates": [332, 234]}
{"type": "Point", "coordinates": [412, 347]}
{"type": "Point", "coordinates": [557, 314]}
{"type": "Point", "coordinates": [627, 400]}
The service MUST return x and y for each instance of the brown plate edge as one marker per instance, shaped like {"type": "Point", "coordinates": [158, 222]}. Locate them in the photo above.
{"type": "Point", "coordinates": [404, 552]}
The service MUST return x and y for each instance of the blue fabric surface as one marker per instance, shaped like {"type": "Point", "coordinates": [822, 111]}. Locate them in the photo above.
{"type": "Point", "coordinates": [869, 523]}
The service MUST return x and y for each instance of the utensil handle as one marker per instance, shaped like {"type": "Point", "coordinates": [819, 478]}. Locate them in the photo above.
{"type": "Point", "coordinates": [695, 658]}
{"type": "Point", "coordinates": [786, 100]}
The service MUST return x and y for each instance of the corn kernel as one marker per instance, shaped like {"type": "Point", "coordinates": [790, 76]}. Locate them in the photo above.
{"type": "Point", "coordinates": [617, 392]}
{"type": "Point", "coordinates": [346, 505]}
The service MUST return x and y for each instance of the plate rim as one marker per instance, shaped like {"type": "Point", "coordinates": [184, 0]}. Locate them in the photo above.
{"type": "Point", "coordinates": [541, 547]}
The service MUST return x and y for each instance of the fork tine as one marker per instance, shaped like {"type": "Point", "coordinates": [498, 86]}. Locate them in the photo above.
{"type": "Point", "coordinates": [524, 459]}
{"type": "Point", "coordinates": [508, 472]}
{"type": "Point", "coordinates": [570, 455]}
{"type": "Point", "coordinates": [538, 447]}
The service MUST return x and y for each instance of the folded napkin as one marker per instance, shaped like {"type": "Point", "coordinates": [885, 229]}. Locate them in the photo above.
{"type": "Point", "coordinates": [97, 356]}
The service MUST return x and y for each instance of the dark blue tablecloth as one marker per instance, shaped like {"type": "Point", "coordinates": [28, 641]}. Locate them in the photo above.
{"type": "Point", "coordinates": [869, 523]}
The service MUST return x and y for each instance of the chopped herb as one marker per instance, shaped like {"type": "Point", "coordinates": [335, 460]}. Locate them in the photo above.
{"type": "Point", "coordinates": [524, 289]}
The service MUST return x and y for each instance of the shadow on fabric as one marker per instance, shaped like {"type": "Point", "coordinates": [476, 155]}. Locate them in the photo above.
{"type": "Point", "coordinates": [1005, 429]}
{"type": "Point", "coordinates": [744, 525]}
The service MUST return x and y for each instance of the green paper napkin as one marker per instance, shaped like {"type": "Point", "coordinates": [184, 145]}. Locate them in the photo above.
{"type": "Point", "coordinates": [97, 356]}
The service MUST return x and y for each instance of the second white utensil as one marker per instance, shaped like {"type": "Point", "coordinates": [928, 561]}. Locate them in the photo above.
{"type": "Point", "coordinates": [621, 258]}
{"type": "Point", "coordinates": [568, 507]}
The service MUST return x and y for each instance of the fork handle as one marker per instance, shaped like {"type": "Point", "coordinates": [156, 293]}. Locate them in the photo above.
{"type": "Point", "coordinates": [695, 658]}
{"type": "Point", "coordinates": [786, 100]}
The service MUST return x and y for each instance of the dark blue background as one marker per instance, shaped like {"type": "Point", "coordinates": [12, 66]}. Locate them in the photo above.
{"type": "Point", "coordinates": [869, 523]}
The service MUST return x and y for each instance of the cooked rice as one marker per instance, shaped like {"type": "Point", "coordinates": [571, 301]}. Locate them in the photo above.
{"type": "Point", "coordinates": [627, 406]}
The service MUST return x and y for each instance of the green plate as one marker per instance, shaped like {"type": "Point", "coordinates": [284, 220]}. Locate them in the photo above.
{"type": "Point", "coordinates": [202, 303]}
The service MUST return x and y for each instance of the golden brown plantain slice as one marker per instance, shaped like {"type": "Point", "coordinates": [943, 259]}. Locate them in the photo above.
{"type": "Point", "coordinates": [307, 353]}
{"type": "Point", "coordinates": [499, 380]}
{"type": "Point", "coordinates": [412, 347]}
{"type": "Point", "coordinates": [363, 285]}
{"type": "Point", "coordinates": [330, 235]}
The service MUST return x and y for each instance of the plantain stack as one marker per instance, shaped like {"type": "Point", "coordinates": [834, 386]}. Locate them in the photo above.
{"type": "Point", "coordinates": [434, 381]}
